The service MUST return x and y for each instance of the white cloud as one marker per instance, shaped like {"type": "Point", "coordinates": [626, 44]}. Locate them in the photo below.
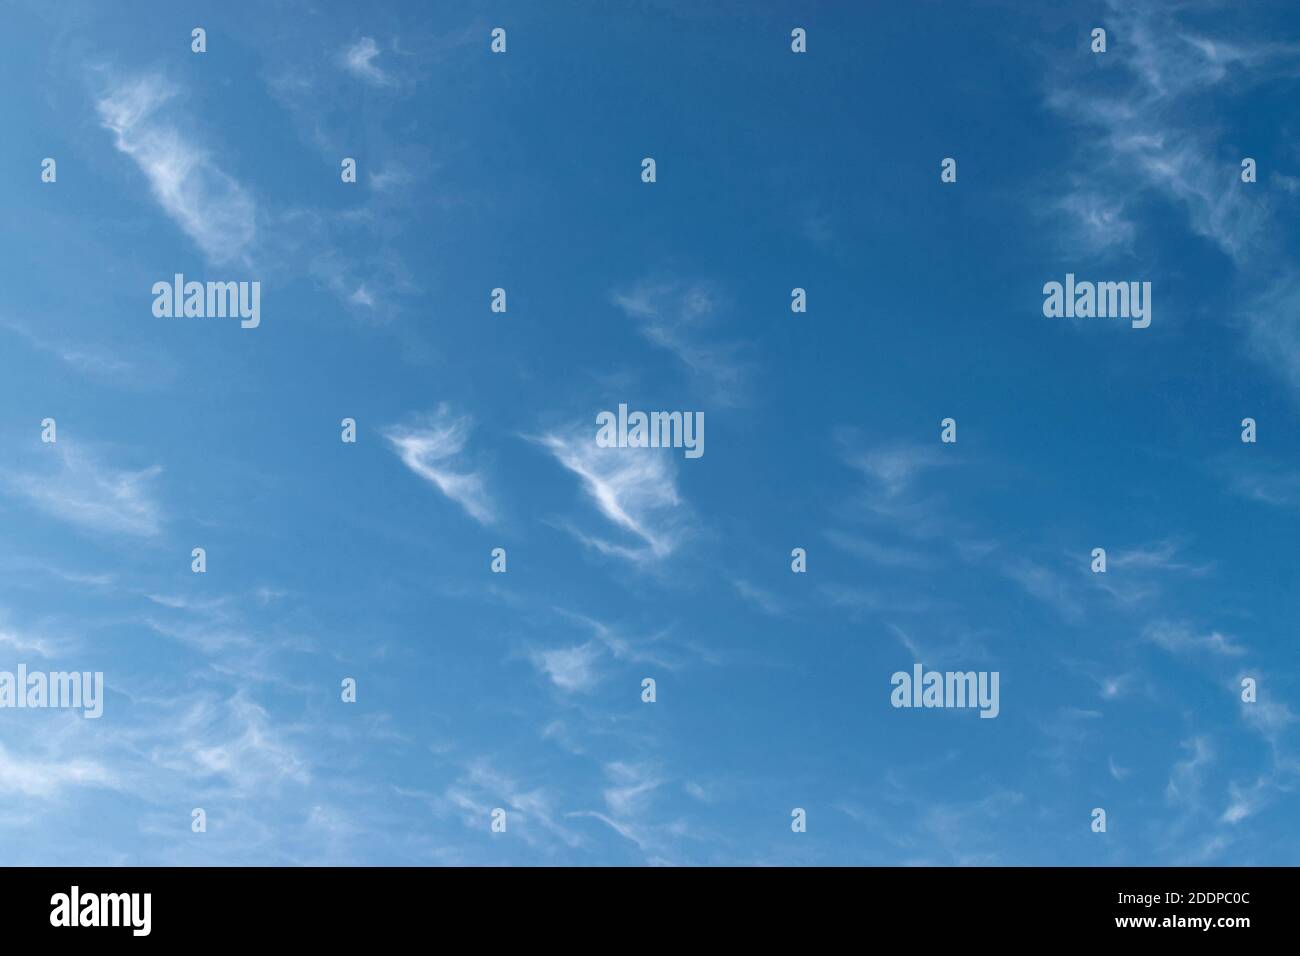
{"type": "Point", "coordinates": [359, 60]}
{"type": "Point", "coordinates": [427, 449]}
{"type": "Point", "coordinates": [84, 357]}
{"type": "Point", "coordinates": [569, 668]}
{"type": "Point", "coordinates": [622, 829]}
{"type": "Point", "coordinates": [22, 644]}
{"type": "Point", "coordinates": [893, 473]}
{"type": "Point", "coordinates": [1185, 779]}
{"type": "Point", "coordinates": [676, 316]}
{"type": "Point", "coordinates": [1112, 688]}
{"type": "Point", "coordinates": [1162, 556]}
{"type": "Point", "coordinates": [45, 779]}
{"type": "Point", "coordinates": [393, 177]}
{"type": "Point", "coordinates": [893, 468]}
{"type": "Point", "coordinates": [234, 740]}
{"type": "Point", "coordinates": [627, 800]}
{"type": "Point", "coordinates": [1241, 804]}
{"type": "Point", "coordinates": [1269, 717]}
{"type": "Point", "coordinates": [1049, 587]}
{"type": "Point", "coordinates": [1152, 136]}
{"type": "Point", "coordinates": [632, 786]}
{"type": "Point", "coordinates": [1147, 133]}
{"type": "Point", "coordinates": [634, 488]}
{"type": "Point", "coordinates": [84, 491]}
{"type": "Point", "coordinates": [701, 792]}
{"type": "Point", "coordinates": [531, 813]}
{"type": "Point", "coordinates": [209, 205]}
{"type": "Point", "coordinates": [766, 602]}
{"type": "Point", "coordinates": [577, 668]}
{"type": "Point", "coordinates": [910, 645]}
{"type": "Point", "coordinates": [1272, 317]}
{"type": "Point", "coordinates": [1143, 567]}
{"type": "Point", "coordinates": [1266, 485]}
{"type": "Point", "coordinates": [1099, 219]}
{"type": "Point", "coordinates": [1179, 638]}
{"type": "Point", "coordinates": [877, 553]}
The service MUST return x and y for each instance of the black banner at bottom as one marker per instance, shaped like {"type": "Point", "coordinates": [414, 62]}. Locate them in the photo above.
{"type": "Point", "coordinates": [338, 905]}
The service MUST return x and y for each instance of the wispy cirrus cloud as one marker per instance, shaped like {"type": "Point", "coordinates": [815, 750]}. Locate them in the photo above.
{"type": "Point", "coordinates": [1049, 586]}
{"type": "Point", "coordinates": [83, 357]}
{"type": "Point", "coordinates": [430, 448]}
{"type": "Point", "coordinates": [1181, 638]}
{"type": "Point", "coordinates": [46, 778]}
{"type": "Point", "coordinates": [359, 60]}
{"type": "Point", "coordinates": [577, 667]}
{"type": "Point", "coordinates": [764, 600]}
{"type": "Point", "coordinates": [531, 812]}
{"type": "Point", "coordinates": [569, 668]}
{"type": "Point", "coordinates": [234, 741]}
{"type": "Point", "coordinates": [1270, 716]}
{"type": "Point", "coordinates": [1143, 569]}
{"type": "Point", "coordinates": [894, 473]}
{"type": "Point", "coordinates": [1161, 556]}
{"type": "Point", "coordinates": [1184, 785]}
{"type": "Point", "coordinates": [629, 797]}
{"type": "Point", "coordinates": [893, 468]}
{"type": "Point", "coordinates": [1099, 218]}
{"type": "Point", "coordinates": [678, 316]}
{"type": "Point", "coordinates": [1242, 803]}
{"type": "Point", "coordinates": [1263, 482]}
{"type": "Point", "coordinates": [25, 643]}
{"type": "Point", "coordinates": [631, 785]}
{"type": "Point", "coordinates": [877, 552]}
{"type": "Point", "coordinates": [1150, 135]}
{"type": "Point", "coordinates": [635, 488]}
{"type": "Point", "coordinates": [1114, 686]}
{"type": "Point", "coordinates": [83, 490]}
{"type": "Point", "coordinates": [209, 205]}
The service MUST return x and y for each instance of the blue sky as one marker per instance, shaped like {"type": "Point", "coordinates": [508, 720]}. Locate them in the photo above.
{"type": "Point", "coordinates": [476, 430]}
